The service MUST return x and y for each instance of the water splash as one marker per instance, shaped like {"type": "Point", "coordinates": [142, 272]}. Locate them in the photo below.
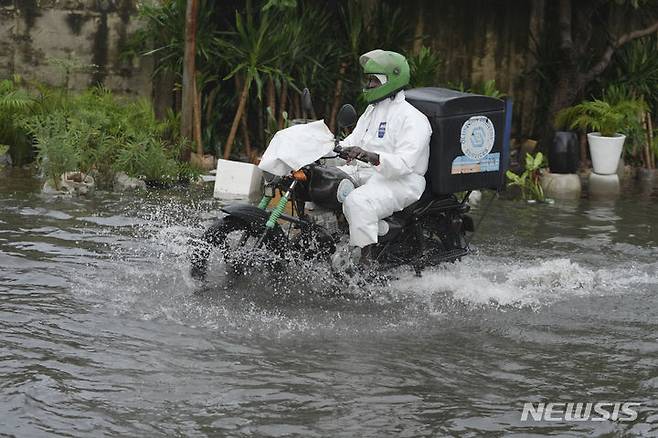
{"type": "Point", "coordinates": [149, 275]}
{"type": "Point", "coordinates": [481, 280]}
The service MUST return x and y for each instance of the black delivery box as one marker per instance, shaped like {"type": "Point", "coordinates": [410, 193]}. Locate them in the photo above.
{"type": "Point", "coordinates": [469, 148]}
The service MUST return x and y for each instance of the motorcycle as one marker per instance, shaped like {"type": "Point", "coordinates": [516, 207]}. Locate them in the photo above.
{"type": "Point", "coordinates": [431, 231]}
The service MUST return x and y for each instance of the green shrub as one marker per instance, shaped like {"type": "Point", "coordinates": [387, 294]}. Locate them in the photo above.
{"type": "Point", "coordinates": [95, 131]}
{"type": "Point", "coordinates": [635, 134]}
{"type": "Point", "coordinates": [57, 151]}
{"type": "Point", "coordinates": [424, 68]}
{"type": "Point", "coordinates": [147, 158]}
{"type": "Point", "coordinates": [188, 173]}
{"type": "Point", "coordinates": [489, 88]}
{"type": "Point", "coordinates": [15, 104]}
{"type": "Point", "coordinates": [528, 181]}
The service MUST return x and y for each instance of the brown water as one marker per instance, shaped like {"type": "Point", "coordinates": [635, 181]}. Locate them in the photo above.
{"type": "Point", "coordinates": [104, 333]}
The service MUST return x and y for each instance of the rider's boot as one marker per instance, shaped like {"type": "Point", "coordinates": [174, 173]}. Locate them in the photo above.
{"type": "Point", "coordinates": [367, 255]}
{"type": "Point", "coordinates": [346, 258]}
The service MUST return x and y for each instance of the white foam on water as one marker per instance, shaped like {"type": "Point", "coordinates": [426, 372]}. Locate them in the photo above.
{"type": "Point", "coordinates": [483, 280]}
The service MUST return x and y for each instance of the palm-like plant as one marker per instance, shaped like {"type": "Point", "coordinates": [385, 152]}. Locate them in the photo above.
{"type": "Point", "coordinates": [12, 98]}
{"type": "Point", "coordinates": [15, 103]}
{"type": "Point", "coordinates": [254, 51]}
{"type": "Point", "coordinates": [598, 115]}
{"type": "Point", "coordinates": [309, 52]}
{"type": "Point", "coordinates": [636, 68]}
{"type": "Point", "coordinates": [636, 72]}
{"type": "Point", "coordinates": [367, 26]}
{"type": "Point", "coordinates": [635, 135]}
{"type": "Point", "coordinates": [424, 68]}
{"type": "Point", "coordinates": [162, 34]}
{"type": "Point", "coordinates": [489, 88]}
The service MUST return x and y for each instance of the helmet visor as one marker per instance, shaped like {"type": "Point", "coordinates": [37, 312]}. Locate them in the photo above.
{"type": "Point", "coordinates": [374, 81]}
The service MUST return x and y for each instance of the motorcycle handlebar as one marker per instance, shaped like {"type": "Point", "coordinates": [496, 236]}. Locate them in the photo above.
{"type": "Point", "coordinates": [339, 150]}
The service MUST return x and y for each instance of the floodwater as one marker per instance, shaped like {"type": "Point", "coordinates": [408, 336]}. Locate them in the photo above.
{"type": "Point", "coordinates": [103, 332]}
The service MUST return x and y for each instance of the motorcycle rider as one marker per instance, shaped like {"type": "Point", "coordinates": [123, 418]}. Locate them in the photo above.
{"type": "Point", "coordinates": [393, 138]}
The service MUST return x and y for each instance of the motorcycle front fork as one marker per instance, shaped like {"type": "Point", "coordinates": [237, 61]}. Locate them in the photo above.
{"type": "Point", "coordinates": [264, 202]}
{"type": "Point", "coordinates": [276, 212]}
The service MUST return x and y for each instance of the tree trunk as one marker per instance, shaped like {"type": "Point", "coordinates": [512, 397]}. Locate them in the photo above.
{"type": "Point", "coordinates": [244, 127]}
{"type": "Point", "coordinates": [210, 103]}
{"type": "Point", "coordinates": [236, 120]}
{"type": "Point", "coordinates": [566, 92]}
{"type": "Point", "coordinates": [197, 122]}
{"type": "Point", "coordinates": [297, 106]}
{"type": "Point", "coordinates": [271, 98]}
{"type": "Point", "coordinates": [261, 125]}
{"type": "Point", "coordinates": [420, 26]}
{"type": "Point", "coordinates": [163, 93]}
{"type": "Point", "coordinates": [647, 154]}
{"type": "Point", "coordinates": [246, 137]}
{"type": "Point", "coordinates": [189, 71]}
{"type": "Point", "coordinates": [652, 155]}
{"type": "Point", "coordinates": [584, 161]}
{"type": "Point", "coordinates": [338, 92]}
{"type": "Point", "coordinates": [283, 100]}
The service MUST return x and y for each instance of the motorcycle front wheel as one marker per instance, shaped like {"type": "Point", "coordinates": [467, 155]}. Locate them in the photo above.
{"type": "Point", "coordinates": [236, 239]}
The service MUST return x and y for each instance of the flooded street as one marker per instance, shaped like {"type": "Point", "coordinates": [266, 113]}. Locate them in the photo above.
{"type": "Point", "coordinates": [104, 331]}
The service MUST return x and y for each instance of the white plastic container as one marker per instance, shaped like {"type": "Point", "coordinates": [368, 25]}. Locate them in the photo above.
{"type": "Point", "coordinates": [238, 181]}
{"type": "Point", "coordinates": [605, 152]}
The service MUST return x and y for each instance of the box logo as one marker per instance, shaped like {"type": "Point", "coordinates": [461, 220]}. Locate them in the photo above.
{"type": "Point", "coordinates": [488, 163]}
{"type": "Point", "coordinates": [477, 137]}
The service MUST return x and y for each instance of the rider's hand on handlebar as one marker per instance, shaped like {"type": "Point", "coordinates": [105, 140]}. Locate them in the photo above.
{"type": "Point", "coordinates": [354, 152]}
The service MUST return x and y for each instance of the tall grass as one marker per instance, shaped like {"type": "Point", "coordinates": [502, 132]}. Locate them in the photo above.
{"type": "Point", "coordinates": [92, 132]}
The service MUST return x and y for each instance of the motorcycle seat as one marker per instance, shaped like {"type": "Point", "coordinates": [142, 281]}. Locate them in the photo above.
{"type": "Point", "coordinates": [420, 205]}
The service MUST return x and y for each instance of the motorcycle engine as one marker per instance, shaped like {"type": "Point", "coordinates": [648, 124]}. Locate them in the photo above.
{"type": "Point", "coordinates": [323, 217]}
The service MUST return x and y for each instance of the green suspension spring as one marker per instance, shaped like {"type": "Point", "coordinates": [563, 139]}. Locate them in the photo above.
{"type": "Point", "coordinates": [277, 212]}
{"type": "Point", "coordinates": [264, 202]}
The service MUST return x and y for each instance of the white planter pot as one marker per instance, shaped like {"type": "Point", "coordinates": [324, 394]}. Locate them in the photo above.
{"type": "Point", "coordinates": [605, 152]}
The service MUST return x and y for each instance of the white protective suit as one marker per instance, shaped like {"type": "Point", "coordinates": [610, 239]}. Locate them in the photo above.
{"type": "Point", "coordinates": [400, 134]}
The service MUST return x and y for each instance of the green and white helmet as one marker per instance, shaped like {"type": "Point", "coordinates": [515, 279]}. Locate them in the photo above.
{"type": "Point", "coordinates": [386, 74]}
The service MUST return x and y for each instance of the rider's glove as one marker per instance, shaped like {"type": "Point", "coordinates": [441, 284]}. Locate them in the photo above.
{"type": "Point", "coordinates": [354, 152]}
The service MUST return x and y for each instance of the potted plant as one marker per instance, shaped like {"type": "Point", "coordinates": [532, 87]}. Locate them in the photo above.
{"type": "Point", "coordinates": [607, 122]}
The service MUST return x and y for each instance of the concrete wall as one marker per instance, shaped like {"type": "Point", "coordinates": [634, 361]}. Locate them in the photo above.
{"type": "Point", "coordinates": [477, 39]}
{"type": "Point", "coordinates": [481, 40]}
{"type": "Point", "coordinates": [40, 40]}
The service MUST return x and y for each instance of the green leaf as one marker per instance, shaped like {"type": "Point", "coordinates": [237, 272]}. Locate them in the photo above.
{"type": "Point", "coordinates": [512, 176]}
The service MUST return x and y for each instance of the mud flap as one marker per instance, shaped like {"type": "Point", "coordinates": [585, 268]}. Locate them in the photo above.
{"type": "Point", "coordinates": [248, 213]}
{"type": "Point", "coordinates": [257, 218]}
